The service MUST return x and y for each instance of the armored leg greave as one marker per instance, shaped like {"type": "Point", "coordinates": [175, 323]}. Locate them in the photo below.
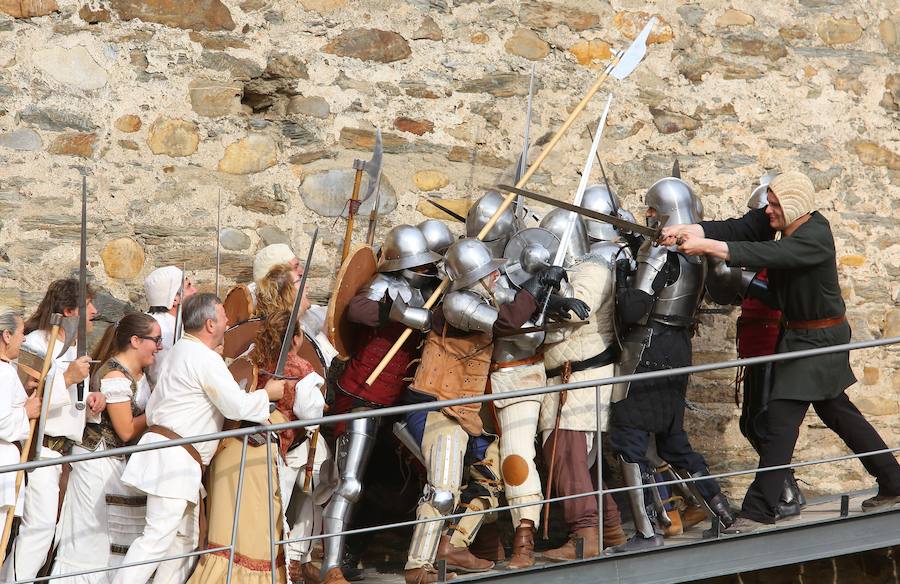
{"type": "Point", "coordinates": [352, 453]}
{"type": "Point", "coordinates": [642, 508]}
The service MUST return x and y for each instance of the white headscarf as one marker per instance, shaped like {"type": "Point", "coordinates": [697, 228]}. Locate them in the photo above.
{"type": "Point", "coordinates": [162, 285]}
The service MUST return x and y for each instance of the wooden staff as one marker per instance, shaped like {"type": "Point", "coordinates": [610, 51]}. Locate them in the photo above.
{"type": "Point", "coordinates": [359, 166]}
{"type": "Point", "coordinates": [564, 377]}
{"type": "Point", "coordinates": [55, 322]}
{"type": "Point", "coordinates": [507, 201]}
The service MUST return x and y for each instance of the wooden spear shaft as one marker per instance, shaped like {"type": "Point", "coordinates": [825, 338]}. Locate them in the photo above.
{"type": "Point", "coordinates": [507, 201]}
{"type": "Point", "coordinates": [56, 319]}
{"type": "Point", "coordinates": [359, 166]}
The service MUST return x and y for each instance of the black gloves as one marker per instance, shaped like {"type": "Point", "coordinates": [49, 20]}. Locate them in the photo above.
{"type": "Point", "coordinates": [561, 306]}
{"type": "Point", "coordinates": [623, 269]}
{"type": "Point", "coordinates": [545, 282]}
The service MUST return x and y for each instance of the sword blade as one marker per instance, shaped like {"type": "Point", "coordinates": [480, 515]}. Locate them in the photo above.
{"type": "Point", "coordinates": [218, 240]}
{"type": "Point", "coordinates": [176, 333]}
{"type": "Point", "coordinates": [611, 219]}
{"type": "Point", "coordinates": [295, 311]}
{"type": "Point", "coordinates": [81, 343]}
{"type": "Point", "coordinates": [523, 159]}
{"type": "Point", "coordinates": [453, 214]}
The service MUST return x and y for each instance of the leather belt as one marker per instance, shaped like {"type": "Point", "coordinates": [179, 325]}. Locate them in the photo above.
{"type": "Point", "coordinates": [534, 359]}
{"type": "Point", "coordinates": [601, 360]}
{"type": "Point", "coordinates": [163, 431]}
{"type": "Point", "coordinates": [821, 323]}
{"type": "Point", "coordinates": [59, 444]}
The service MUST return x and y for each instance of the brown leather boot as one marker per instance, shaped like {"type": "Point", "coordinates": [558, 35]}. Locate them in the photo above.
{"type": "Point", "coordinates": [424, 575]}
{"type": "Point", "coordinates": [675, 527]}
{"type": "Point", "coordinates": [460, 558]}
{"type": "Point", "coordinates": [487, 544]}
{"type": "Point", "coordinates": [523, 546]}
{"type": "Point", "coordinates": [310, 573]}
{"type": "Point", "coordinates": [334, 576]}
{"type": "Point", "coordinates": [692, 516]}
{"type": "Point", "coordinates": [613, 535]}
{"type": "Point", "coordinates": [569, 550]}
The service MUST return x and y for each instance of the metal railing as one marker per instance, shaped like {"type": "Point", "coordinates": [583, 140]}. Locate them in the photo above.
{"type": "Point", "coordinates": [597, 384]}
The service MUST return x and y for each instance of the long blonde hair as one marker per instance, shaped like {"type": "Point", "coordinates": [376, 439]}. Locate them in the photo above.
{"type": "Point", "coordinates": [277, 291]}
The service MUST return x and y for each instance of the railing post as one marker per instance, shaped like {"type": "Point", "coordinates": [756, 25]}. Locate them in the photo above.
{"type": "Point", "coordinates": [272, 554]}
{"type": "Point", "coordinates": [237, 510]}
{"type": "Point", "coordinates": [599, 463]}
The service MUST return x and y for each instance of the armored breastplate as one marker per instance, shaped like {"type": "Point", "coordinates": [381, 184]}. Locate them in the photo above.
{"type": "Point", "coordinates": [517, 347]}
{"type": "Point", "coordinates": [677, 302]}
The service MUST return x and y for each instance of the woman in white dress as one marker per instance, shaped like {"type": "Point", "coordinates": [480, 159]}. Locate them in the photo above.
{"type": "Point", "coordinates": [16, 407]}
{"type": "Point", "coordinates": [101, 516]}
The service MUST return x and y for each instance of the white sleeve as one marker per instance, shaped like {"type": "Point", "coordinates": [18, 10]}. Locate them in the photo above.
{"type": "Point", "coordinates": [308, 400]}
{"type": "Point", "coordinates": [55, 387]}
{"type": "Point", "coordinates": [224, 392]}
{"type": "Point", "coordinates": [117, 390]}
{"type": "Point", "coordinates": [13, 419]}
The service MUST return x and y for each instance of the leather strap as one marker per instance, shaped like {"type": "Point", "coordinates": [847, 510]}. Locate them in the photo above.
{"type": "Point", "coordinates": [821, 323]}
{"type": "Point", "coordinates": [600, 360]}
{"type": "Point", "coordinates": [163, 431]}
{"type": "Point", "coordinates": [537, 358]}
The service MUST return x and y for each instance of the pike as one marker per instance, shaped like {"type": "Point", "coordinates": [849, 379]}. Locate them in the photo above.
{"type": "Point", "coordinates": [36, 429]}
{"type": "Point", "coordinates": [453, 214]}
{"type": "Point", "coordinates": [523, 158]}
{"type": "Point", "coordinates": [621, 66]}
{"type": "Point", "coordinates": [218, 242]}
{"type": "Point", "coordinates": [373, 169]}
{"type": "Point", "coordinates": [611, 219]}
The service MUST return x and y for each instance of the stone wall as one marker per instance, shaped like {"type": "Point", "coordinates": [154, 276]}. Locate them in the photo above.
{"type": "Point", "coordinates": [265, 104]}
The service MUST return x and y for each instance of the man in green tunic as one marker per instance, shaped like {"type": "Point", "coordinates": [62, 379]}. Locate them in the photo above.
{"type": "Point", "coordinates": [804, 281]}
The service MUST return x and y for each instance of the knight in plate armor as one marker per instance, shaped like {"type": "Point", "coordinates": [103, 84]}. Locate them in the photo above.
{"type": "Point", "coordinates": [658, 310]}
{"type": "Point", "coordinates": [456, 363]}
{"type": "Point", "coordinates": [390, 302]}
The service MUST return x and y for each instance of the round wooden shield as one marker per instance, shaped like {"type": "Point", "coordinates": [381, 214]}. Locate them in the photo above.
{"type": "Point", "coordinates": [245, 373]}
{"type": "Point", "coordinates": [356, 271]}
{"type": "Point", "coordinates": [238, 304]}
{"type": "Point", "coordinates": [29, 366]}
{"type": "Point", "coordinates": [239, 337]}
{"type": "Point", "coordinates": [310, 352]}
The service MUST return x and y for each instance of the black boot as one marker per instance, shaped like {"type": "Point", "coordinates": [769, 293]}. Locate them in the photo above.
{"type": "Point", "coordinates": [722, 508]}
{"type": "Point", "coordinates": [792, 500]}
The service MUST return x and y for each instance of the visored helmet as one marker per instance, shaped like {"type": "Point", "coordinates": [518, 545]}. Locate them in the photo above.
{"type": "Point", "coordinates": [673, 197]}
{"type": "Point", "coordinates": [556, 221]}
{"type": "Point", "coordinates": [437, 234]}
{"type": "Point", "coordinates": [598, 198]}
{"type": "Point", "coordinates": [505, 227]}
{"type": "Point", "coordinates": [467, 261]}
{"type": "Point", "coordinates": [405, 247]}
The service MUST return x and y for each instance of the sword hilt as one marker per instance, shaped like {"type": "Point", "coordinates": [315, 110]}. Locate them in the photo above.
{"type": "Point", "coordinates": [79, 403]}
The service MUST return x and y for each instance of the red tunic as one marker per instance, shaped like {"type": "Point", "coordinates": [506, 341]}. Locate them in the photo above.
{"type": "Point", "coordinates": [296, 366]}
{"type": "Point", "coordinates": [758, 327]}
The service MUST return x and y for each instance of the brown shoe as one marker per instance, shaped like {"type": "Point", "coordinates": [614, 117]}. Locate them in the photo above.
{"type": "Point", "coordinates": [309, 573]}
{"type": "Point", "coordinates": [590, 545]}
{"type": "Point", "coordinates": [523, 547]}
{"type": "Point", "coordinates": [692, 516]}
{"type": "Point", "coordinates": [675, 527]}
{"type": "Point", "coordinates": [613, 535]}
{"type": "Point", "coordinates": [334, 576]}
{"type": "Point", "coordinates": [487, 544]}
{"type": "Point", "coordinates": [424, 575]}
{"type": "Point", "coordinates": [460, 558]}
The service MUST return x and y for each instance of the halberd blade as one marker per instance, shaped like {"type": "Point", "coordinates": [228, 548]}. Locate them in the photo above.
{"type": "Point", "coordinates": [634, 53]}
{"type": "Point", "coordinates": [373, 167]}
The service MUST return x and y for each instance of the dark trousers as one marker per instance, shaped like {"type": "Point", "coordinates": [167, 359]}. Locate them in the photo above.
{"type": "Point", "coordinates": [781, 429]}
{"type": "Point", "coordinates": [672, 445]}
{"type": "Point", "coordinates": [571, 476]}
{"type": "Point", "coordinates": [757, 384]}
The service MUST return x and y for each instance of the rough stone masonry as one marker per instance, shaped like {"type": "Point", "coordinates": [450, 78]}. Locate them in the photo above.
{"type": "Point", "coordinates": [266, 102]}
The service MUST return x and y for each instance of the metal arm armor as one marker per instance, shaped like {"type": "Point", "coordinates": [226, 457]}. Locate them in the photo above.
{"type": "Point", "coordinates": [416, 318]}
{"type": "Point", "coordinates": [468, 311]}
{"type": "Point", "coordinates": [650, 261]}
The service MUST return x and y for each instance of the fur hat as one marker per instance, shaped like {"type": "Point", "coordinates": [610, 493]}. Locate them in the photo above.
{"type": "Point", "coordinates": [161, 286]}
{"type": "Point", "coordinates": [796, 194]}
{"type": "Point", "coordinates": [269, 257]}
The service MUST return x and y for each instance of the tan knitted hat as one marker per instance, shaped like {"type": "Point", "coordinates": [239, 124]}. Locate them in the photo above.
{"type": "Point", "coordinates": [269, 257]}
{"type": "Point", "coordinates": [796, 194]}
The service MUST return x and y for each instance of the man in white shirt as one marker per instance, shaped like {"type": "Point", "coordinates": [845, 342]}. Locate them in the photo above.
{"type": "Point", "coordinates": [192, 397]}
{"type": "Point", "coordinates": [162, 289]}
{"type": "Point", "coordinates": [63, 426]}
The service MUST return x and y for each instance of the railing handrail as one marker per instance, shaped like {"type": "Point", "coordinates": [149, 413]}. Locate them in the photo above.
{"type": "Point", "coordinates": [433, 405]}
